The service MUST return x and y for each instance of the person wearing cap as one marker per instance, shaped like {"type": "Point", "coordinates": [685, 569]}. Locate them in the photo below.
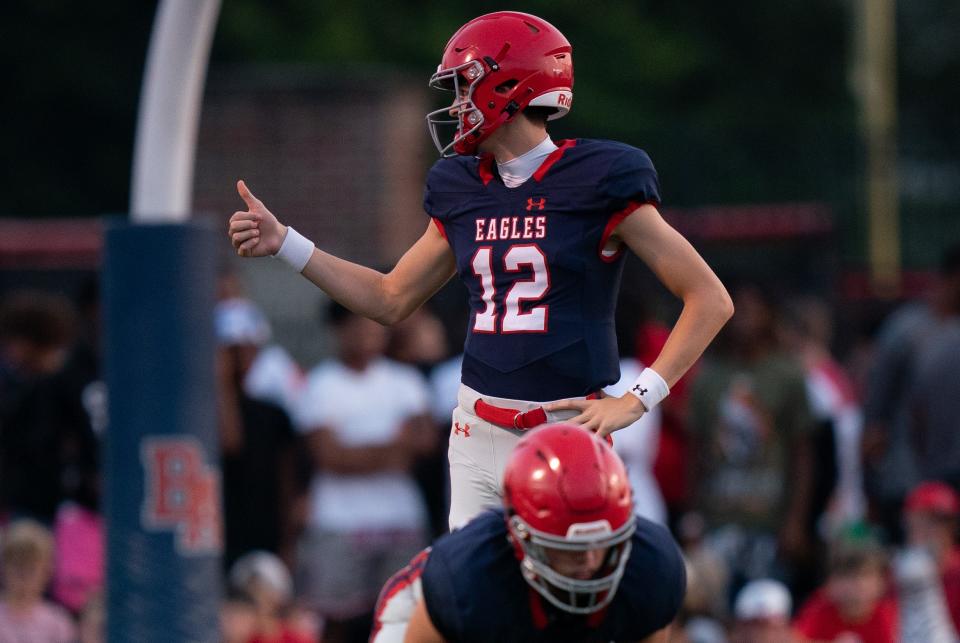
{"type": "Point", "coordinates": [266, 581]}
{"type": "Point", "coordinates": [257, 440]}
{"type": "Point", "coordinates": [271, 374]}
{"type": "Point", "coordinates": [762, 613]}
{"type": "Point", "coordinates": [855, 603]}
{"type": "Point", "coordinates": [931, 517]}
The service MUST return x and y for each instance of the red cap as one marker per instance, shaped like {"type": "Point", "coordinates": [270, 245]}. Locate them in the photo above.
{"type": "Point", "coordinates": [934, 497]}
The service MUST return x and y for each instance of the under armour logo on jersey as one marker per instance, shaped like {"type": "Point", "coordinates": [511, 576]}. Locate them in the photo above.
{"type": "Point", "coordinates": [540, 203]}
{"type": "Point", "coordinates": [465, 429]}
{"type": "Point", "coordinates": [641, 391]}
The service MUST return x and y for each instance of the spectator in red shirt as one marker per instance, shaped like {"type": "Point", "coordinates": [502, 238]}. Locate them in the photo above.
{"type": "Point", "coordinates": [932, 514]}
{"type": "Point", "coordinates": [854, 604]}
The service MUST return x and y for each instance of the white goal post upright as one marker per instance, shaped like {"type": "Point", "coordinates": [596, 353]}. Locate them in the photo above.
{"type": "Point", "coordinates": [170, 110]}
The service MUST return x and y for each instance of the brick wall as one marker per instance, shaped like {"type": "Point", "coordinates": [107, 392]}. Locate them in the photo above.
{"type": "Point", "coordinates": [340, 156]}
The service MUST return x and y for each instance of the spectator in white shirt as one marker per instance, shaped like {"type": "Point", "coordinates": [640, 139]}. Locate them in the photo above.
{"type": "Point", "coordinates": [366, 419]}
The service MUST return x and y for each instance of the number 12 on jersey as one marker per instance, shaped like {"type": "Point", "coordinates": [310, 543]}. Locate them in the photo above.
{"type": "Point", "coordinates": [527, 256]}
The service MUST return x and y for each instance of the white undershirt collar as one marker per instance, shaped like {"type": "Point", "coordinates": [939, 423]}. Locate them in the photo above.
{"type": "Point", "coordinates": [516, 171]}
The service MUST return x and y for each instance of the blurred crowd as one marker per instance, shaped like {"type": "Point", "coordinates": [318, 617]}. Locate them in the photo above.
{"type": "Point", "coordinates": [812, 486]}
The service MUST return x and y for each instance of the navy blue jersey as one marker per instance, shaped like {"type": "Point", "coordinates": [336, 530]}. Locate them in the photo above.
{"type": "Point", "coordinates": [474, 590]}
{"type": "Point", "coordinates": [542, 292]}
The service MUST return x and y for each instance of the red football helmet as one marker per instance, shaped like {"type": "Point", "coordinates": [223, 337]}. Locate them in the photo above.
{"type": "Point", "coordinates": [565, 490]}
{"type": "Point", "coordinates": [497, 65]}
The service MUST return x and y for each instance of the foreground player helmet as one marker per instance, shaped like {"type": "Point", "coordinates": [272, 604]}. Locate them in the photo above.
{"type": "Point", "coordinates": [496, 66]}
{"type": "Point", "coordinates": [565, 489]}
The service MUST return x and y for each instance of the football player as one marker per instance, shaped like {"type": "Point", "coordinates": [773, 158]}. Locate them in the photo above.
{"type": "Point", "coordinates": [565, 559]}
{"type": "Point", "coordinates": [535, 228]}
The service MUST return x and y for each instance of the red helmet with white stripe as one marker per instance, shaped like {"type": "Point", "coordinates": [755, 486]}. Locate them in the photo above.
{"type": "Point", "coordinates": [566, 491]}
{"type": "Point", "coordinates": [497, 65]}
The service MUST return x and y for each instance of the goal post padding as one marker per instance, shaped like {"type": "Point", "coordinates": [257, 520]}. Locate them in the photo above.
{"type": "Point", "coordinates": [161, 453]}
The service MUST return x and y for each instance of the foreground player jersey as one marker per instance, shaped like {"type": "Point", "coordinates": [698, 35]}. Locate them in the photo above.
{"type": "Point", "coordinates": [474, 590]}
{"type": "Point", "coordinates": [542, 291]}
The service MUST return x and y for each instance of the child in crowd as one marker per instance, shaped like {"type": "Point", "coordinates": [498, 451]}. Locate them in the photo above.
{"type": "Point", "coordinates": [27, 557]}
{"type": "Point", "coordinates": [927, 571]}
{"type": "Point", "coordinates": [932, 515]}
{"type": "Point", "coordinates": [855, 603]}
{"type": "Point", "coordinates": [762, 613]}
{"type": "Point", "coordinates": [264, 578]}
{"type": "Point", "coordinates": [238, 617]}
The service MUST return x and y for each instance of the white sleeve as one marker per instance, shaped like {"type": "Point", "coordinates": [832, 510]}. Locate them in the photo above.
{"type": "Point", "coordinates": [275, 377]}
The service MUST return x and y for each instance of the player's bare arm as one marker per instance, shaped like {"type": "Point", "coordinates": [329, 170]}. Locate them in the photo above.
{"type": "Point", "coordinates": [386, 298]}
{"type": "Point", "coordinates": [420, 628]}
{"type": "Point", "coordinates": [706, 308]}
{"type": "Point", "coordinates": [706, 304]}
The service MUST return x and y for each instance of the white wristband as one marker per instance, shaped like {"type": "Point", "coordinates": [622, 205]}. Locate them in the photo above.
{"type": "Point", "coordinates": [650, 388]}
{"type": "Point", "coordinates": [296, 250]}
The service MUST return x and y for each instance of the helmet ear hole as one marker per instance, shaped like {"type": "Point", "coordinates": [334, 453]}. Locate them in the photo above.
{"type": "Point", "coordinates": [505, 87]}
